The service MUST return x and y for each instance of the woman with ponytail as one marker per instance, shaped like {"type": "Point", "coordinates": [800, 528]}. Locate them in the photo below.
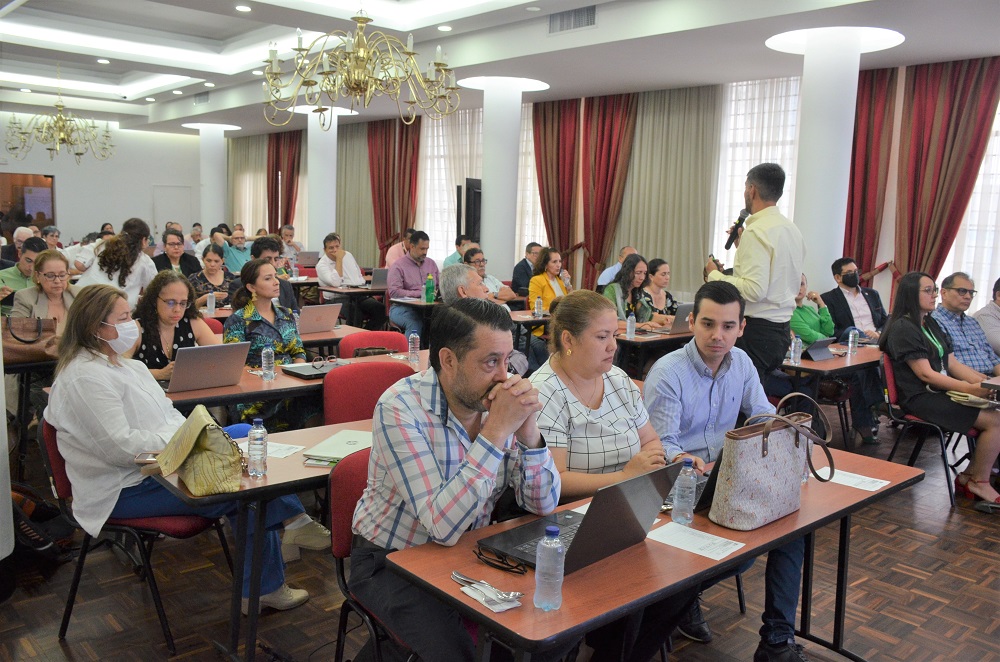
{"type": "Point", "coordinates": [121, 262]}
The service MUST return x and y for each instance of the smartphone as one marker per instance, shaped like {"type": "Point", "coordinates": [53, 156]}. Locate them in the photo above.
{"type": "Point", "coordinates": [146, 458]}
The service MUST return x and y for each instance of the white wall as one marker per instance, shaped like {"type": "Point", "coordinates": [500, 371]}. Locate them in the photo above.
{"type": "Point", "coordinates": [115, 190]}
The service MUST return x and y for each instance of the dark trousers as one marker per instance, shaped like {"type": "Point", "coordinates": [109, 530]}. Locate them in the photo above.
{"type": "Point", "coordinates": [639, 636]}
{"type": "Point", "coordinates": [766, 343]}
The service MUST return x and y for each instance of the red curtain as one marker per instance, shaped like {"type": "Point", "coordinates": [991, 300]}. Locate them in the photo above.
{"type": "Point", "coordinates": [869, 165]}
{"type": "Point", "coordinates": [948, 111]}
{"type": "Point", "coordinates": [555, 125]}
{"type": "Point", "coordinates": [393, 154]}
{"type": "Point", "coordinates": [283, 153]}
{"type": "Point", "coordinates": [608, 130]}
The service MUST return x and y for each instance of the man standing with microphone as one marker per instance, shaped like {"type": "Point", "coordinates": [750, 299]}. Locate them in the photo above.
{"type": "Point", "coordinates": [770, 254]}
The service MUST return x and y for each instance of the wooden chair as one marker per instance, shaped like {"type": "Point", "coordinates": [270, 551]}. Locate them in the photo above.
{"type": "Point", "coordinates": [351, 391]}
{"type": "Point", "coordinates": [144, 531]}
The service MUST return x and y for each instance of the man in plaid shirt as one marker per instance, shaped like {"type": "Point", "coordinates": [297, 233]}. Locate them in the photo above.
{"type": "Point", "coordinates": [967, 338]}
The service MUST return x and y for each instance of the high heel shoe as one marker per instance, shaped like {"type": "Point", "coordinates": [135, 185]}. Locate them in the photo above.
{"type": "Point", "coordinates": [969, 494]}
{"type": "Point", "coordinates": [962, 489]}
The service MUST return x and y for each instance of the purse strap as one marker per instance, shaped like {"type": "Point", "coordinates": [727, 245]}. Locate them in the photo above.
{"type": "Point", "coordinates": [38, 330]}
{"type": "Point", "coordinates": [243, 459]}
{"type": "Point", "coordinates": [769, 422]}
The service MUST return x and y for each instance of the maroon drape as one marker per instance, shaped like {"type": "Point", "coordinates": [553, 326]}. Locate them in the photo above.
{"type": "Point", "coordinates": [393, 154]}
{"type": "Point", "coordinates": [869, 165]}
{"type": "Point", "coordinates": [948, 111]}
{"type": "Point", "coordinates": [283, 153]}
{"type": "Point", "coordinates": [555, 126]}
{"type": "Point", "coordinates": [608, 130]}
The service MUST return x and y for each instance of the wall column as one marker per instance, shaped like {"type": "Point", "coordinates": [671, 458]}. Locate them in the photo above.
{"type": "Point", "coordinates": [213, 173]}
{"type": "Point", "coordinates": [321, 151]}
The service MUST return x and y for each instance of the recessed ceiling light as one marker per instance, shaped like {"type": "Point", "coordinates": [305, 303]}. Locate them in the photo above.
{"type": "Point", "coordinates": [178, 92]}
{"type": "Point", "coordinates": [444, 28]}
{"type": "Point", "coordinates": [209, 84]}
{"type": "Point", "coordinates": [532, 9]}
{"type": "Point", "coordinates": [24, 89]}
{"type": "Point", "coordinates": [243, 8]}
{"type": "Point", "coordinates": [150, 99]}
{"type": "Point", "coordinates": [257, 72]}
{"type": "Point", "coordinates": [103, 61]}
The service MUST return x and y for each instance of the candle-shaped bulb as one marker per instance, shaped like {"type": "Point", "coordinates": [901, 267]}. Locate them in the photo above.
{"type": "Point", "coordinates": [350, 42]}
{"type": "Point", "coordinates": [437, 54]}
{"type": "Point", "coordinates": [298, 33]}
{"type": "Point", "coordinates": [409, 43]}
{"type": "Point", "coordinates": [267, 97]}
{"type": "Point", "coordinates": [326, 62]}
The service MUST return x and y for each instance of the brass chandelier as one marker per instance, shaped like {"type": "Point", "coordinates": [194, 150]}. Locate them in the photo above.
{"type": "Point", "coordinates": [359, 66]}
{"type": "Point", "coordinates": [77, 135]}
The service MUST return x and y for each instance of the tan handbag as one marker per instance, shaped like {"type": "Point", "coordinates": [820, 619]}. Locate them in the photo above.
{"type": "Point", "coordinates": [29, 340]}
{"type": "Point", "coordinates": [204, 456]}
{"type": "Point", "coordinates": [760, 477]}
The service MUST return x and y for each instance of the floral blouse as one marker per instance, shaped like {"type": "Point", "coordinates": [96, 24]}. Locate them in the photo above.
{"type": "Point", "coordinates": [247, 324]}
{"type": "Point", "coordinates": [669, 309]}
{"type": "Point", "coordinates": [202, 285]}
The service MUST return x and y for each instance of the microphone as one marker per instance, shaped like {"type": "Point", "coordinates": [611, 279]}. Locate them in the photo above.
{"type": "Point", "coordinates": [735, 232]}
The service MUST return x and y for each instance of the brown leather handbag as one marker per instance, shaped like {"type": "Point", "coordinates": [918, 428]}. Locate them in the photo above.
{"type": "Point", "coordinates": [29, 340]}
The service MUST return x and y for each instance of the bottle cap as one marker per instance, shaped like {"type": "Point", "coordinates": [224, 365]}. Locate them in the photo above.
{"type": "Point", "coordinates": [258, 421]}
{"type": "Point", "coordinates": [688, 462]}
{"type": "Point", "coordinates": [552, 531]}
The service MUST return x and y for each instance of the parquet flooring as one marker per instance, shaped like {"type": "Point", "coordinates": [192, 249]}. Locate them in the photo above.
{"type": "Point", "coordinates": [924, 585]}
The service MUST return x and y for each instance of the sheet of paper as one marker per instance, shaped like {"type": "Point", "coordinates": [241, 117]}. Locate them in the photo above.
{"type": "Point", "coordinates": [853, 480]}
{"type": "Point", "coordinates": [275, 449]}
{"type": "Point", "coordinates": [582, 509]}
{"type": "Point", "coordinates": [692, 540]}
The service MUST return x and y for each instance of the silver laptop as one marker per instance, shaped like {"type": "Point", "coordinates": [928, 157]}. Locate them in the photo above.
{"type": "Point", "coordinates": [210, 366]}
{"type": "Point", "coordinates": [317, 319]}
{"type": "Point", "coordinates": [380, 279]}
{"type": "Point", "coordinates": [307, 258]}
{"type": "Point", "coordinates": [680, 324]}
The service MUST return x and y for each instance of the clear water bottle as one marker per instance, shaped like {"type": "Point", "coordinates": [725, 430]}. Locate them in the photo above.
{"type": "Point", "coordinates": [805, 465]}
{"type": "Point", "coordinates": [539, 307]}
{"type": "Point", "coordinates": [267, 364]}
{"type": "Point", "coordinates": [630, 327]}
{"type": "Point", "coordinates": [852, 342]}
{"type": "Point", "coordinates": [257, 449]}
{"type": "Point", "coordinates": [684, 491]}
{"type": "Point", "coordinates": [413, 346]}
{"type": "Point", "coordinates": [549, 558]}
{"type": "Point", "coordinates": [210, 303]}
{"type": "Point", "coordinates": [295, 270]}
{"type": "Point", "coordinates": [796, 358]}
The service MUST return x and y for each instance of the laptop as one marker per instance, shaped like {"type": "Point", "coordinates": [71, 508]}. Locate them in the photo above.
{"type": "Point", "coordinates": [338, 446]}
{"type": "Point", "coordinates": [209, 366]}
{"type": "Point", "coordinates": [680, 324]}
{"type": "Point", "coordinates": [307, 258]}
{"type": "Point", "coordinates": [618, 517]}
{"type": "Point", "coordinates": [317, 319]}
{"type": "Point", "coordinates": [819, 350]}
{"type": "Point", "coordinates": [380, 280]}
{"type": "Point", "coordinates": [316, 370]}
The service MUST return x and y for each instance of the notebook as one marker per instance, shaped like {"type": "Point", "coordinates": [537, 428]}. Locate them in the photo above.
{"type": "Point", "coordinates": [618, 517]}
{"type": "Point", "coordinates": [680, 324]}
{"type": "Point", "coordinates": [210, 366]}
{"type": "Point", "coordinates": [338, 446]}
{"type": "Point", "coordinates": [317, 319]}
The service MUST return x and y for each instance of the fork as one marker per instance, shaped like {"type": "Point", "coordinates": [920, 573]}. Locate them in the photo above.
{"type": "Point", "coordinates": [504, 596]}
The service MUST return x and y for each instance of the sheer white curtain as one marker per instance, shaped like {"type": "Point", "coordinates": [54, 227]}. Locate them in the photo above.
{"type": "Point", "coordinates": [451, 149]}
{"type": "Point", "coordinates": [530, 224]}
{"type": "Point", "coordinates": [760, 124]}
{"type": "Point", "coordinates": [247, 167]}
{"type": "Point", "coordinates": [976, 250]}
{"type": "Point", "coordinates": [355, 216]}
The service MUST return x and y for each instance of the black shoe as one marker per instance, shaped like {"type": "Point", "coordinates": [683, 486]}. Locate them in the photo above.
{"type": "Point", "coordinates": [693, 625]}
{"type": "Point", "coordinates": [784, 652]}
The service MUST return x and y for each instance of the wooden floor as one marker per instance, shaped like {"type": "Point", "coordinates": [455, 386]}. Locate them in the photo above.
{"type": "Point", "coordinates": [924, 585]}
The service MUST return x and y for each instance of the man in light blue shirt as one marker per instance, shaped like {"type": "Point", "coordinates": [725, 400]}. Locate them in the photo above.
{"type": "Point", "coordinates": [462, 243]}
{"type": "Point", "coordinates": [694, 396]}
{"type": "Point", "coordinates": [609, 274]}
{"type": "Point", "coordinates": [968, 339]}
{"type": "Point", "coordinates": [237, 253]}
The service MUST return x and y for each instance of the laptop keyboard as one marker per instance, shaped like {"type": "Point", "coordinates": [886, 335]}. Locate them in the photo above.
{"type": "Point", "coordinates": [566, 535]}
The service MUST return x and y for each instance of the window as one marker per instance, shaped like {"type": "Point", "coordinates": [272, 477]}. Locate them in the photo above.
{"type": "Point", "coordinates": [530, 225]}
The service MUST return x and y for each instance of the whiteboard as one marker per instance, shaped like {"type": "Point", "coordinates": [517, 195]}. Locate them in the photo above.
{"type": "Point", "coordinates": [171, 203]}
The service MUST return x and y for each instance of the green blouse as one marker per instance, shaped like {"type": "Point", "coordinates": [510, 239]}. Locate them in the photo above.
{"type": "Point", "coordinates": [643, 310]}
{"type": "Point", "coordinates": [811, 325]}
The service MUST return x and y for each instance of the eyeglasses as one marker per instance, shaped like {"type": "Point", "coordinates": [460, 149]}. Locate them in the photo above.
{"type": "Point", "coordinates": [321, 361]}
{"type": "Point", "coordinates": [173, 303]}
{"type": "Point", "coordinates": [930, 290]}
{"type": "Point", "coordinates": [962, 292]}
{"type": "Point", "coordinates": [174, 244]}
{"type": "Point", "coordinates": [481, 262]}
{"type": "Point", "coordinates": [54, 277]}
{"type": "Point", "coordinates": [500, 561]}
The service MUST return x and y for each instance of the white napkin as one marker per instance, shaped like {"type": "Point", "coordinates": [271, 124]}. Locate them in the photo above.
{"type": "Point", "coordinates": [495, 607]}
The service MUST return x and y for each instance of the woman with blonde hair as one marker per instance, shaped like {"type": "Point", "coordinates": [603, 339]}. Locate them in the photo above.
{"type": "Point", "coordinates": [122, 262]}
{"type": "Point", "coordinates": [52, 295]}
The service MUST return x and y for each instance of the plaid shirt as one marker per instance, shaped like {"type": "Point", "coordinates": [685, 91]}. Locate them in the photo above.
{"type": "Point", "coordinates": [968, 340]}
{"type": "Point", "coordinates": [427, 480]}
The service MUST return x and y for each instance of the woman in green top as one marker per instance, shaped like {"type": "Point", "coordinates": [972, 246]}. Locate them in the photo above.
{"type": "Point", "coordinates": [627, 294]}
{"type": "Point", "coordinates": [809, 324]}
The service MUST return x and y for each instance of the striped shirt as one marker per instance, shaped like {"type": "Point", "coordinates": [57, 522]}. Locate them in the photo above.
{"type": "Point", "coordinates": [968, 340]}
{"type": "Point", "coordinates": [429, 481]}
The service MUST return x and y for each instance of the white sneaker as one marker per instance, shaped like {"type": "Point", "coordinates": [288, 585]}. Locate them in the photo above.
{"type": "Point", "coordinates": [313, 536]}
{"type": "Point", "coordinates": [284, 598]}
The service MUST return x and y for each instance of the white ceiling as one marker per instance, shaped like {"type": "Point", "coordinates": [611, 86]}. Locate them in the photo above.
{"type": "Point", "coordinates": [158, 46]}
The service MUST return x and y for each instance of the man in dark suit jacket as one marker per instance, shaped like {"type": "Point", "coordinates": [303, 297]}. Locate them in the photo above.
{"type": "Point", "coordinates": [846, 273]}
{"type": "Point", "coordinates": [12, 251]}
{"type": "Point", "coordinates": [269, 249]}
{"type": "Point", "coordinates": [524, 269]}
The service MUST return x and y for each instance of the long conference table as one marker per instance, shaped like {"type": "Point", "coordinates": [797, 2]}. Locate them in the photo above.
{"type": "Point", "coordinates": [650, 571]}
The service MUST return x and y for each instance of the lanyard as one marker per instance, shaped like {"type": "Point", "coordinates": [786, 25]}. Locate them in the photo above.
{"type": "Point", "coordinates": [934, 341]}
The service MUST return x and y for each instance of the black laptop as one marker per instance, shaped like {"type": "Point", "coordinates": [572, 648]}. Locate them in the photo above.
{"type": "Point", "coordinates": [618, 517]}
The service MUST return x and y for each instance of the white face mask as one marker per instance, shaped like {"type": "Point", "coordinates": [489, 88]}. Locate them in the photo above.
{"type": "Point", "coordinates": [128, 333]}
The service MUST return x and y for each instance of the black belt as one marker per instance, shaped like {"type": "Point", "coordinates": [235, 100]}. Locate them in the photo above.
{"type": "Point", "coordinates": [360, 542]}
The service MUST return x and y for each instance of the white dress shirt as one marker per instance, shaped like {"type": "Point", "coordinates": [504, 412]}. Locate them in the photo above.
{"type": "Point", "coordinates": [326, 271]}
{"type": "Point", "coordinates": [989, 319]}
{"type": "Point", "coordinates": [104, 415]}
{"type": "Point", "coordinates": [860, 310]}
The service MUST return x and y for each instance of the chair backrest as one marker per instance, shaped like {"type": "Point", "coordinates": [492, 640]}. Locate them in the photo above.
{"type": "Point", "coordinates": [55, 464]}
{"type": "Point", "coordinates": [388, 339]}
{"type": "Point", "coordinates": [214, 324]}
{"type": "Point", "coordinates": [347, 483]}
{"type": "Point", "coordinates": [308, 272]}
{"type": "Point", "coordinates": [351, 391]}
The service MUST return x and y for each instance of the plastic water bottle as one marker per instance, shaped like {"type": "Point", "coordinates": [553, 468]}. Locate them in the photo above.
{"type": "Point", "coordinates": [630, 327]}
{"type": "Point", "coordinates": [796, 358]}
{"type": "Point", "coordinates": [684, 491]}
{"type": "Point", "coordinates": [429, 289]}
{"type": "Point", "coordinates": [267, 364]}
{"type": "Point", "coordinates": [852, 342]}
{"type": "Point", "coordinates": [257, 449]}
{"type": "Point", "coordinates": [413, 346]}
{"type": "Point", "coordinates": [294, 269]}
{"type": "Point", "coordinates": [210, 303]}
{"type": "Point", "coordinates": [805, 464]}
{"type": "Point", "coordinates": [539, 307]}
{"type": "Point", "coordinates": [549, 557]}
